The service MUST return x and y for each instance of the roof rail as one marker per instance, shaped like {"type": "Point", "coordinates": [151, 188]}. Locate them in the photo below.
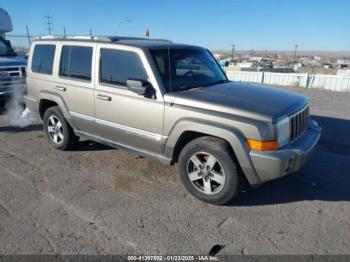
{"type": "Point", "coordinates": [96, 38]}
{"type": "Point", "coordinates": [126, 38]}
{"type": "Point", "coordinates": [100, 38]}
{"type": "Point", "coordinates": [45, 37]}
{"type": "Point", "coordinates": [75, 37]}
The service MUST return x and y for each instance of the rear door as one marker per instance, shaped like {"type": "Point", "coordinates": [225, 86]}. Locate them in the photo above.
{"type": "Point", "coordinates": [121, 115]}
{"type": "Point", "coordinates": [75, 82]}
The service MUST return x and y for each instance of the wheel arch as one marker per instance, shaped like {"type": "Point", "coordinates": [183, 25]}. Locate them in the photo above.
{"type": "Point", "coordinates": [188, 129]}
{"type": "Point", "coordinates": [48, 99]}
{"type": "Point", "coordinates": [45, 104]}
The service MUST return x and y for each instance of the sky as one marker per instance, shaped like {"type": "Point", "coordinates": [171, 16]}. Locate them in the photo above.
{"type": "Point", "coordinates": [215, 24]}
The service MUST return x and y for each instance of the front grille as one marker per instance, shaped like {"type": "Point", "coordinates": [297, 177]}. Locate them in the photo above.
{"type": "Point", "coordinates": [15, 78]}
{"type": "Point", "coordinates": [12, 71]}
{"type": "Point", "coordinates": [12, 81]}
{"type": "Point", "coordinates": [299, 123]}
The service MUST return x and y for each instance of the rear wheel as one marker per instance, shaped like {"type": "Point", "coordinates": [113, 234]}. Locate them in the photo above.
{"type": "Point", "coordinates": [209, 171]}
{"type": "Point", "coordinates": [58, 131]}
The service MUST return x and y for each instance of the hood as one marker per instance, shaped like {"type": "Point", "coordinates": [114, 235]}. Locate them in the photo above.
{"type": "Point", "coordinates": [12, 61]}
{"type": "Point", "coordinates": [246, 100]}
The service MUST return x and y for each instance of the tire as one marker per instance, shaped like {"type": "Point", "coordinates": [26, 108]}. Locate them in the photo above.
{"type": "Point", "coordinates": [59, 133]}
{"type": "Point", "coordinates": [216, 183]}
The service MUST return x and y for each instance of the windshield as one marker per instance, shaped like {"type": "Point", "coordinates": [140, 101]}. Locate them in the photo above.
{"type": "Point", "coordinates": [183, 69]}
{"type": "Point", "coordinates": [5, 48]}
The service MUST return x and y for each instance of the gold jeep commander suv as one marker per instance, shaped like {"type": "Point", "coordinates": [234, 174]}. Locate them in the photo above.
{"type": "Point", "coordinates": [172, 103]}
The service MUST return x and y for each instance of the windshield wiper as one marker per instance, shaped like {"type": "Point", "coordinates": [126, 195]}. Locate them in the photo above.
{"type": "Point", "coordinates": [188, 87]}
{"type": "Point", "coordinates": [222, 81]}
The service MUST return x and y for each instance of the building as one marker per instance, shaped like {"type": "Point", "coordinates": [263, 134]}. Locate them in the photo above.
{"type": "Point", "coordinates": [257, 59]}
{"type": "Point", "coordinates": [343, 72]}
{"type": "Point", "coordinates": [218, 56]}
{"type": "Point", "coordinates": [343, 61]}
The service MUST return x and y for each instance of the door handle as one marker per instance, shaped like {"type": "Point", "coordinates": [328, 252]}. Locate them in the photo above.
{"type": "Point", "coordinates": [61, 88]}
{"type": "Point", "coordinates": [103, 97]}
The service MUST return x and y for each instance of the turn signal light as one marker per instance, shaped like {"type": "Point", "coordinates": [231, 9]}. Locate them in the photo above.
{"type": "Point", "coordinates": [262, 145]}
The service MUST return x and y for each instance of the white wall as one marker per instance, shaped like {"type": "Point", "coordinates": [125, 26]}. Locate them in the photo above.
{"type": "Point", "coordinates": [329, 82]}
{"type": "Point", "coordinates": [245, 76]}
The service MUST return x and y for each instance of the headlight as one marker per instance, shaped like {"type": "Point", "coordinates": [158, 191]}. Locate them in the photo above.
{"type": "Point", "coordinates": [283, 131]}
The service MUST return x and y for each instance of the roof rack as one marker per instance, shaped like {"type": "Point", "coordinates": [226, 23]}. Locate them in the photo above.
{"type": "Point", "coordinates": [75, 37]}
{"type": "Point", "coordinates": [100, 38]}
{"type": "Point", "coordinates": [126, 38]}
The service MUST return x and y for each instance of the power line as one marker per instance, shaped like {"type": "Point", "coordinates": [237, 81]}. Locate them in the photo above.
{"type": "Point", "coordinates": [19, 35]}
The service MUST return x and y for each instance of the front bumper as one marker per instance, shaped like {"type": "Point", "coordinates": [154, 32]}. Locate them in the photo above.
{"type": "Point", "coordinates": [270, 165]}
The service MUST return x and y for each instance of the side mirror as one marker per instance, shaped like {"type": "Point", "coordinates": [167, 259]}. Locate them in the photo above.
{"type": "Point", "coordinates": [140, 87]}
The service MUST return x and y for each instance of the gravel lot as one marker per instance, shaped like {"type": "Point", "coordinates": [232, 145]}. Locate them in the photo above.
{"type": "Point", "coordinates": [98, 200]}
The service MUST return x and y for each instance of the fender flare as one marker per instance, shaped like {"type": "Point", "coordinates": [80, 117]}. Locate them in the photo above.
{"type": "Point", "coordinates": [232, 135]}
{"type": "Point", "coordinates": [58, 99]}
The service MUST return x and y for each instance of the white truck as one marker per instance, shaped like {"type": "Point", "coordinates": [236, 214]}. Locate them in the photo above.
{"type": "Point", "coordinates": [12, 66]}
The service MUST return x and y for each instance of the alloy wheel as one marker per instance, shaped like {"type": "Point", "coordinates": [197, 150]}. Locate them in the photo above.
{"type": "Point", "coordinates": [55, 129]}
{"type": "Point", "coordinates": [206, 173]}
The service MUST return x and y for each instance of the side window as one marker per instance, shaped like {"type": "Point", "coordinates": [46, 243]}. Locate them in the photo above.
{"type": "Point", "coordinates": [43, 58]}
{"type": "Point", "coordinates": [116, 67]}
{"type": "Point", "coordinates": [76, 62]}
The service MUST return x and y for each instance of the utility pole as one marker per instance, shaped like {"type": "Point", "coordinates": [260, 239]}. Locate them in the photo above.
{"type": "Point", "coordinates": [28, 36]}
{"type": "Point", "coordinates": [265, 53]}
{"type": "Point", "coordinates": [64, 32]}
{"type": "Point", "coordinates": [48, 21]}
{"type": "Point", "coordinates": [90, 32]}
{"type": "Point", "coordinates": [295, 53]}
{"type": "Point", "coordinates": [233, 52]}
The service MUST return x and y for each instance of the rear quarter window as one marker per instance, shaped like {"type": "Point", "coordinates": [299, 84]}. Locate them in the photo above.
{"type": "Point", "coordinates": [43, 57]}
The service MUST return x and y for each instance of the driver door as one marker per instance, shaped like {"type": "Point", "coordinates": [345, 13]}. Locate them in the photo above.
{"type": "Point", "coordinates": [122, 116]}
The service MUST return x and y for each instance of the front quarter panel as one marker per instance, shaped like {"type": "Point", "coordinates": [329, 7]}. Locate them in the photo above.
{"type": "Point", "coordinates": [233, 136]}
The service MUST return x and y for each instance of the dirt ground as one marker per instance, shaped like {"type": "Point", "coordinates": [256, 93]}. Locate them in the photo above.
{"type": "Point", "coordinates": [99, 200]}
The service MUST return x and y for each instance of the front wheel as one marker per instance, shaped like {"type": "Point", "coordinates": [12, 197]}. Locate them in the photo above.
{"type": "Point", "coordinates": [208, 170]}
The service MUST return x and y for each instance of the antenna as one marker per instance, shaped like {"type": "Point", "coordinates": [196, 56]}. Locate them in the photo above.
{"type": "Point", "coordinates": [147, 33]}
{"type": "Point", "coordinates": [48, 22]}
